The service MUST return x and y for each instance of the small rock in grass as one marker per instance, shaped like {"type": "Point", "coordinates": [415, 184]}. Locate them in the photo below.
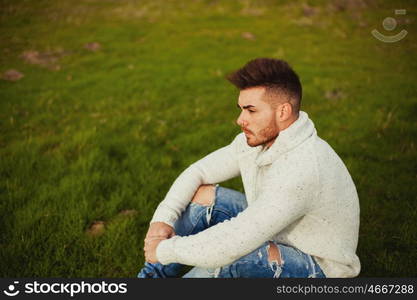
{"type": "Point", "coordinates": [12, 75]}
{"type": "Point", "coordinates": [96, 229]}
{"type": "Point", "coordinates": [248, 36]}
{"type": "Point", "coordinates": [94, 46]}
{"type": "Point", "coordinates": [47, 59]}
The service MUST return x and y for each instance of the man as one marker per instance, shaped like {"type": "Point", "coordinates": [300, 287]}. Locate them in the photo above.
{"type": "Point", "coordinates": [299, 216]}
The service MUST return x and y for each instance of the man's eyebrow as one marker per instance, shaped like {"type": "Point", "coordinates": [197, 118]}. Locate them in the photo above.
{"type": "Point", "coordinates": [245, 107]}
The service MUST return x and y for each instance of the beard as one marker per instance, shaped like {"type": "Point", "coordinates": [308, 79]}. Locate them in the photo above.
{"type": "Point", "coordinates": [265, 136]}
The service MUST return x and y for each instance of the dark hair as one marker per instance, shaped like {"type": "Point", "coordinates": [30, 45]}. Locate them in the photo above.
{"type": "Point", "coordinates": [274, 74]}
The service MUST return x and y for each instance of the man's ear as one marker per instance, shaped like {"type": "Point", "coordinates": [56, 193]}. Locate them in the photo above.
{"type": "Point", "coordinates": [284, 111]}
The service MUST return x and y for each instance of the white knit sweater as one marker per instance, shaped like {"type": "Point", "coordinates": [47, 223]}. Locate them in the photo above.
{"type": "Point", "coordinates": [299, 193]}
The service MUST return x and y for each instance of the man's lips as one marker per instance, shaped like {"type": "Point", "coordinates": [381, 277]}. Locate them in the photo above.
{"type": "Point", "coordinates": [246, 131]}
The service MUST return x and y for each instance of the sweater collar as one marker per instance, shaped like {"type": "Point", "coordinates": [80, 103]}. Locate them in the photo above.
{"type": "Point", "coordinates": [299, 131]}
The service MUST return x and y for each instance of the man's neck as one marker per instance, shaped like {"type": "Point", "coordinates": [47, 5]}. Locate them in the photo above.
{"type": "Point", "coordinates": [268, 145]}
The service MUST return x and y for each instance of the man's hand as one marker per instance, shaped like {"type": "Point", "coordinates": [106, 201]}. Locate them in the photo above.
{"type": "Point", "coordinates": [157, 232]}
{"type": "Point", "coordinates": [160, 230]}
{"type": "Point", "coordinates": [150, 249]}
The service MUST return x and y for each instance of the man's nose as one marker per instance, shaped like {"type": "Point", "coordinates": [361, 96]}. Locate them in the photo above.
{"type": "Point", "coordinates": [240, 121]}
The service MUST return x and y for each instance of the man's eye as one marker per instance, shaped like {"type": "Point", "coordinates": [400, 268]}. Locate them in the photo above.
{"type": "Point", "coordinates": [251, 111]}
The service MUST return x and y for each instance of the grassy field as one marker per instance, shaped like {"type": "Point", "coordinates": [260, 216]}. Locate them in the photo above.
{"type": "Point", "coordinates": [118, 97]}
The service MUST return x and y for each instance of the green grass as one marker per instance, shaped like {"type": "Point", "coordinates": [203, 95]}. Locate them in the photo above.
{"type": "Point", "coordinates": [111, 130]}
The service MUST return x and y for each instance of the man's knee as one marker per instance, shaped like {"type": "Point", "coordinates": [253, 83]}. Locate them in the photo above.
{"type": "Point", "coordinates": [205, 195]}
{"type": "Point", "coordinates": [274, 254]}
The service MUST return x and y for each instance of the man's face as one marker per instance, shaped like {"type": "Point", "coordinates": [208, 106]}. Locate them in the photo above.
{"type": "Point", "coordinates": [257, 118]}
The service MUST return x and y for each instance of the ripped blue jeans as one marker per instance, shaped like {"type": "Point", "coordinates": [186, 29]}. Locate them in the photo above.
{"type": "Point", "coordinates": [227, 204]}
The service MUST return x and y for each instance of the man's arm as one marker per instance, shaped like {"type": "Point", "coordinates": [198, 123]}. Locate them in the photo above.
{"type": "Point", "coordinates": [216, 167]}
{"type": "Point", "coordinates": [279, 206]}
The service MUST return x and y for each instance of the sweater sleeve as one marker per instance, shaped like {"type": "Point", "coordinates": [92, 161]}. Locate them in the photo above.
{"type": "Point", "coordinates": [276, 208]}
{"type": "Point", "coordinates": [216, 167]}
